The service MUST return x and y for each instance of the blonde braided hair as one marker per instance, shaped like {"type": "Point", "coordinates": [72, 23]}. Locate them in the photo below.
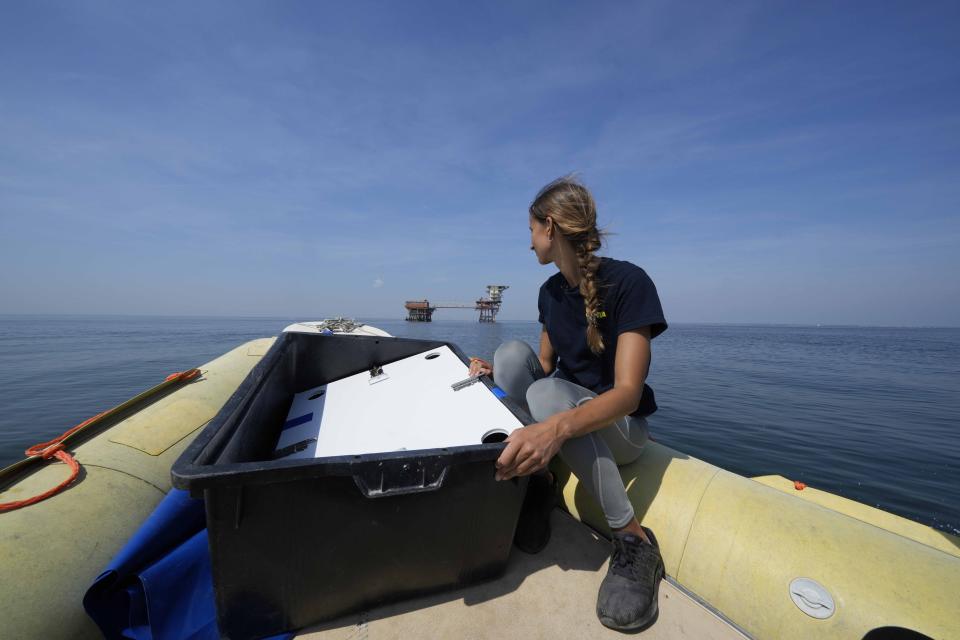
{"type": "Point", "coordinates": [570, 205]}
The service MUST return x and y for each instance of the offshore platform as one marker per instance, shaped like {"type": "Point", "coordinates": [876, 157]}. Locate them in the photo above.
{"type": "Point", "coordinates": [422, 310]}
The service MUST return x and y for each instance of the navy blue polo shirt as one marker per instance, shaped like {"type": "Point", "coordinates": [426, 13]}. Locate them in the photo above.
{"type": "Point", "coordinates": [628, 300]}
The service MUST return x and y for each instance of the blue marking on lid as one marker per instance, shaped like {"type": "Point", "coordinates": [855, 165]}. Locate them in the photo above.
{"type": "Point", "coordinates": [497, 391]}
{"type": "Point", "coordinates": [296, 422]}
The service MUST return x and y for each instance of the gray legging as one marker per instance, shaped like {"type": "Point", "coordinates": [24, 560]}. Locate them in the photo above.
{"type": "Point", "coordinates": [593, 457]}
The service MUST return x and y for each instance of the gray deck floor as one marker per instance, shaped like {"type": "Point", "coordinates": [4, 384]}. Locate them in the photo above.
{"type": "Point", "coordinates": [551, 595]}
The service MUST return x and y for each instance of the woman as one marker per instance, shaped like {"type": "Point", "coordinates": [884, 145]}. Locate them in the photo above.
{"type": "Point", "coordinates": [586, 391]}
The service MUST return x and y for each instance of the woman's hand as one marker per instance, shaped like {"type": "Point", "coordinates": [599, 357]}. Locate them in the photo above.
{"type": "Point", "coordinates": [529, 450]}
{"type": "Point", "coordinates": [480, 367]}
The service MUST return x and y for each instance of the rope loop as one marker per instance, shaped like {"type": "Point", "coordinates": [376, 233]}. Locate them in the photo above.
{"type": "Point", "coordinates": [55, 448]}
{"type": "Point", "coordinates": [51, 451]}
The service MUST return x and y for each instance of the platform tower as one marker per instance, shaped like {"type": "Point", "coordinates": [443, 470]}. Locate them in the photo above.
{"type": "Point", "coordinates": [419, 311]}
{"type": "Point", "coordinates": [490, 306]}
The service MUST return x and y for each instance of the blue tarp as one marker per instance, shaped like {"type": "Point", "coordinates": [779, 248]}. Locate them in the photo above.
{"type": "Point", "coordinates": [159, 587]}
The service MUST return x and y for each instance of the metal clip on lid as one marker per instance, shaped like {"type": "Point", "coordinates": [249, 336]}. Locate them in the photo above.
{"type": "Point", "coordinates": [456, 386]}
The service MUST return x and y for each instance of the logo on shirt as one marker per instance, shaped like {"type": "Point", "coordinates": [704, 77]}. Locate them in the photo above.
{"type": "Point", "coordinates": [595, 317]}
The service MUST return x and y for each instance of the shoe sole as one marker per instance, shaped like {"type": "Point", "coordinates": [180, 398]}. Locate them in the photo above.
{"type": "Point", "coordinates": [649, 616]}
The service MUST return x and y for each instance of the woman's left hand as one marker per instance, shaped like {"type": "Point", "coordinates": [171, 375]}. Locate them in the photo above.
{"type": "Point", "coordinates": [480, 367]}
{"type": "Point", "coordinates": [529, 450]}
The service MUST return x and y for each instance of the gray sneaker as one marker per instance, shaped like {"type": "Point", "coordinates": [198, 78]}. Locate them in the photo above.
{"type": "Point", "coordinates": [628, 595]}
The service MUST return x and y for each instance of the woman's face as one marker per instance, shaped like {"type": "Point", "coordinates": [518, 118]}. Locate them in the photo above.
{"type": "Point", "coordinates": [541, 242]}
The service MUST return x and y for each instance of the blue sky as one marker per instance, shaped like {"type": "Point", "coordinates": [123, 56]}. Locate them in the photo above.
{"type": "Point", "coordinates": [765, 162]}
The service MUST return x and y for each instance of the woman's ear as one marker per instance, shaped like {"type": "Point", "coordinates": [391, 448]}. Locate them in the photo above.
{"type": "Point", "coordinates": [549, 222]}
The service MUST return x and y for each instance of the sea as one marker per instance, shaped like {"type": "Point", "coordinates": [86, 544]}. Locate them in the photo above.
{"type": "Point", "coordinates": [869, 413]}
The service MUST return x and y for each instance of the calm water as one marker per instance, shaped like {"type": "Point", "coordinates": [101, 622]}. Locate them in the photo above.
{"type": "Point", "coordinates": [869, 413]}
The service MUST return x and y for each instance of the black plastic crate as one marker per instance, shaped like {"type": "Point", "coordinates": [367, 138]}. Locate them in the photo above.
{"type": "Point", "coordinates": [297, 542]}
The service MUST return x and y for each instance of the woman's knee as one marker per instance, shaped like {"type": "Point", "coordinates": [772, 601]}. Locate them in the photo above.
{"type": "Point", "coordinates": [511, 353]}
{"type": "Point", "coordinates": [548, 396]}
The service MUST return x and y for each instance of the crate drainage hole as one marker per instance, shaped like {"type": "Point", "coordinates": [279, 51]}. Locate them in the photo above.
{"type": "Point", "coordinates": [316, 395]}
{"type": "Point", "coordinates": [432, 356]}
{"type": "Point", "coordinates": [493, 436]}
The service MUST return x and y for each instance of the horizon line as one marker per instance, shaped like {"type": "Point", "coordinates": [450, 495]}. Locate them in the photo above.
{"type": "Point", "coordinates": [822, 325]}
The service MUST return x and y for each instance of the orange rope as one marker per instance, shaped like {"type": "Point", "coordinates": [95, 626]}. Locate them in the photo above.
{"type": "Point", "coordinates": [54, 449]}
{"type": "Point", "coordinates": [183, 376]}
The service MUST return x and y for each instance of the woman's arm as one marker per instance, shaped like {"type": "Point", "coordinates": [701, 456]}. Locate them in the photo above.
{"type": "Point", "coordinates": [531, 448]}
{"type": "Point", "coordinates": [548, 356]}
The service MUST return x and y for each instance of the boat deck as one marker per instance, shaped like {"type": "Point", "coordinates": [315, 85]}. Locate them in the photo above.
{"type": "Point", "coordinates": [551, 595]}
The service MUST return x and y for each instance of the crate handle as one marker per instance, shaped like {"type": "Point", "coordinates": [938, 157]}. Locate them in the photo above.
{"type": "Point", "coordinates": [400, 477]}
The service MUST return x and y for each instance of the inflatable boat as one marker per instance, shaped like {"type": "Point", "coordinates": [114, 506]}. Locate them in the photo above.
{"type": "Point", "coordinates": [745, 557]}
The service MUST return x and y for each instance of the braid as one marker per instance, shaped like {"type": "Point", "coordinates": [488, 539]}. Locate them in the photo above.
{"type": "Point", "coordinates": [574, 212]}
{"type": "Point", "coordinates": [589, 264]}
